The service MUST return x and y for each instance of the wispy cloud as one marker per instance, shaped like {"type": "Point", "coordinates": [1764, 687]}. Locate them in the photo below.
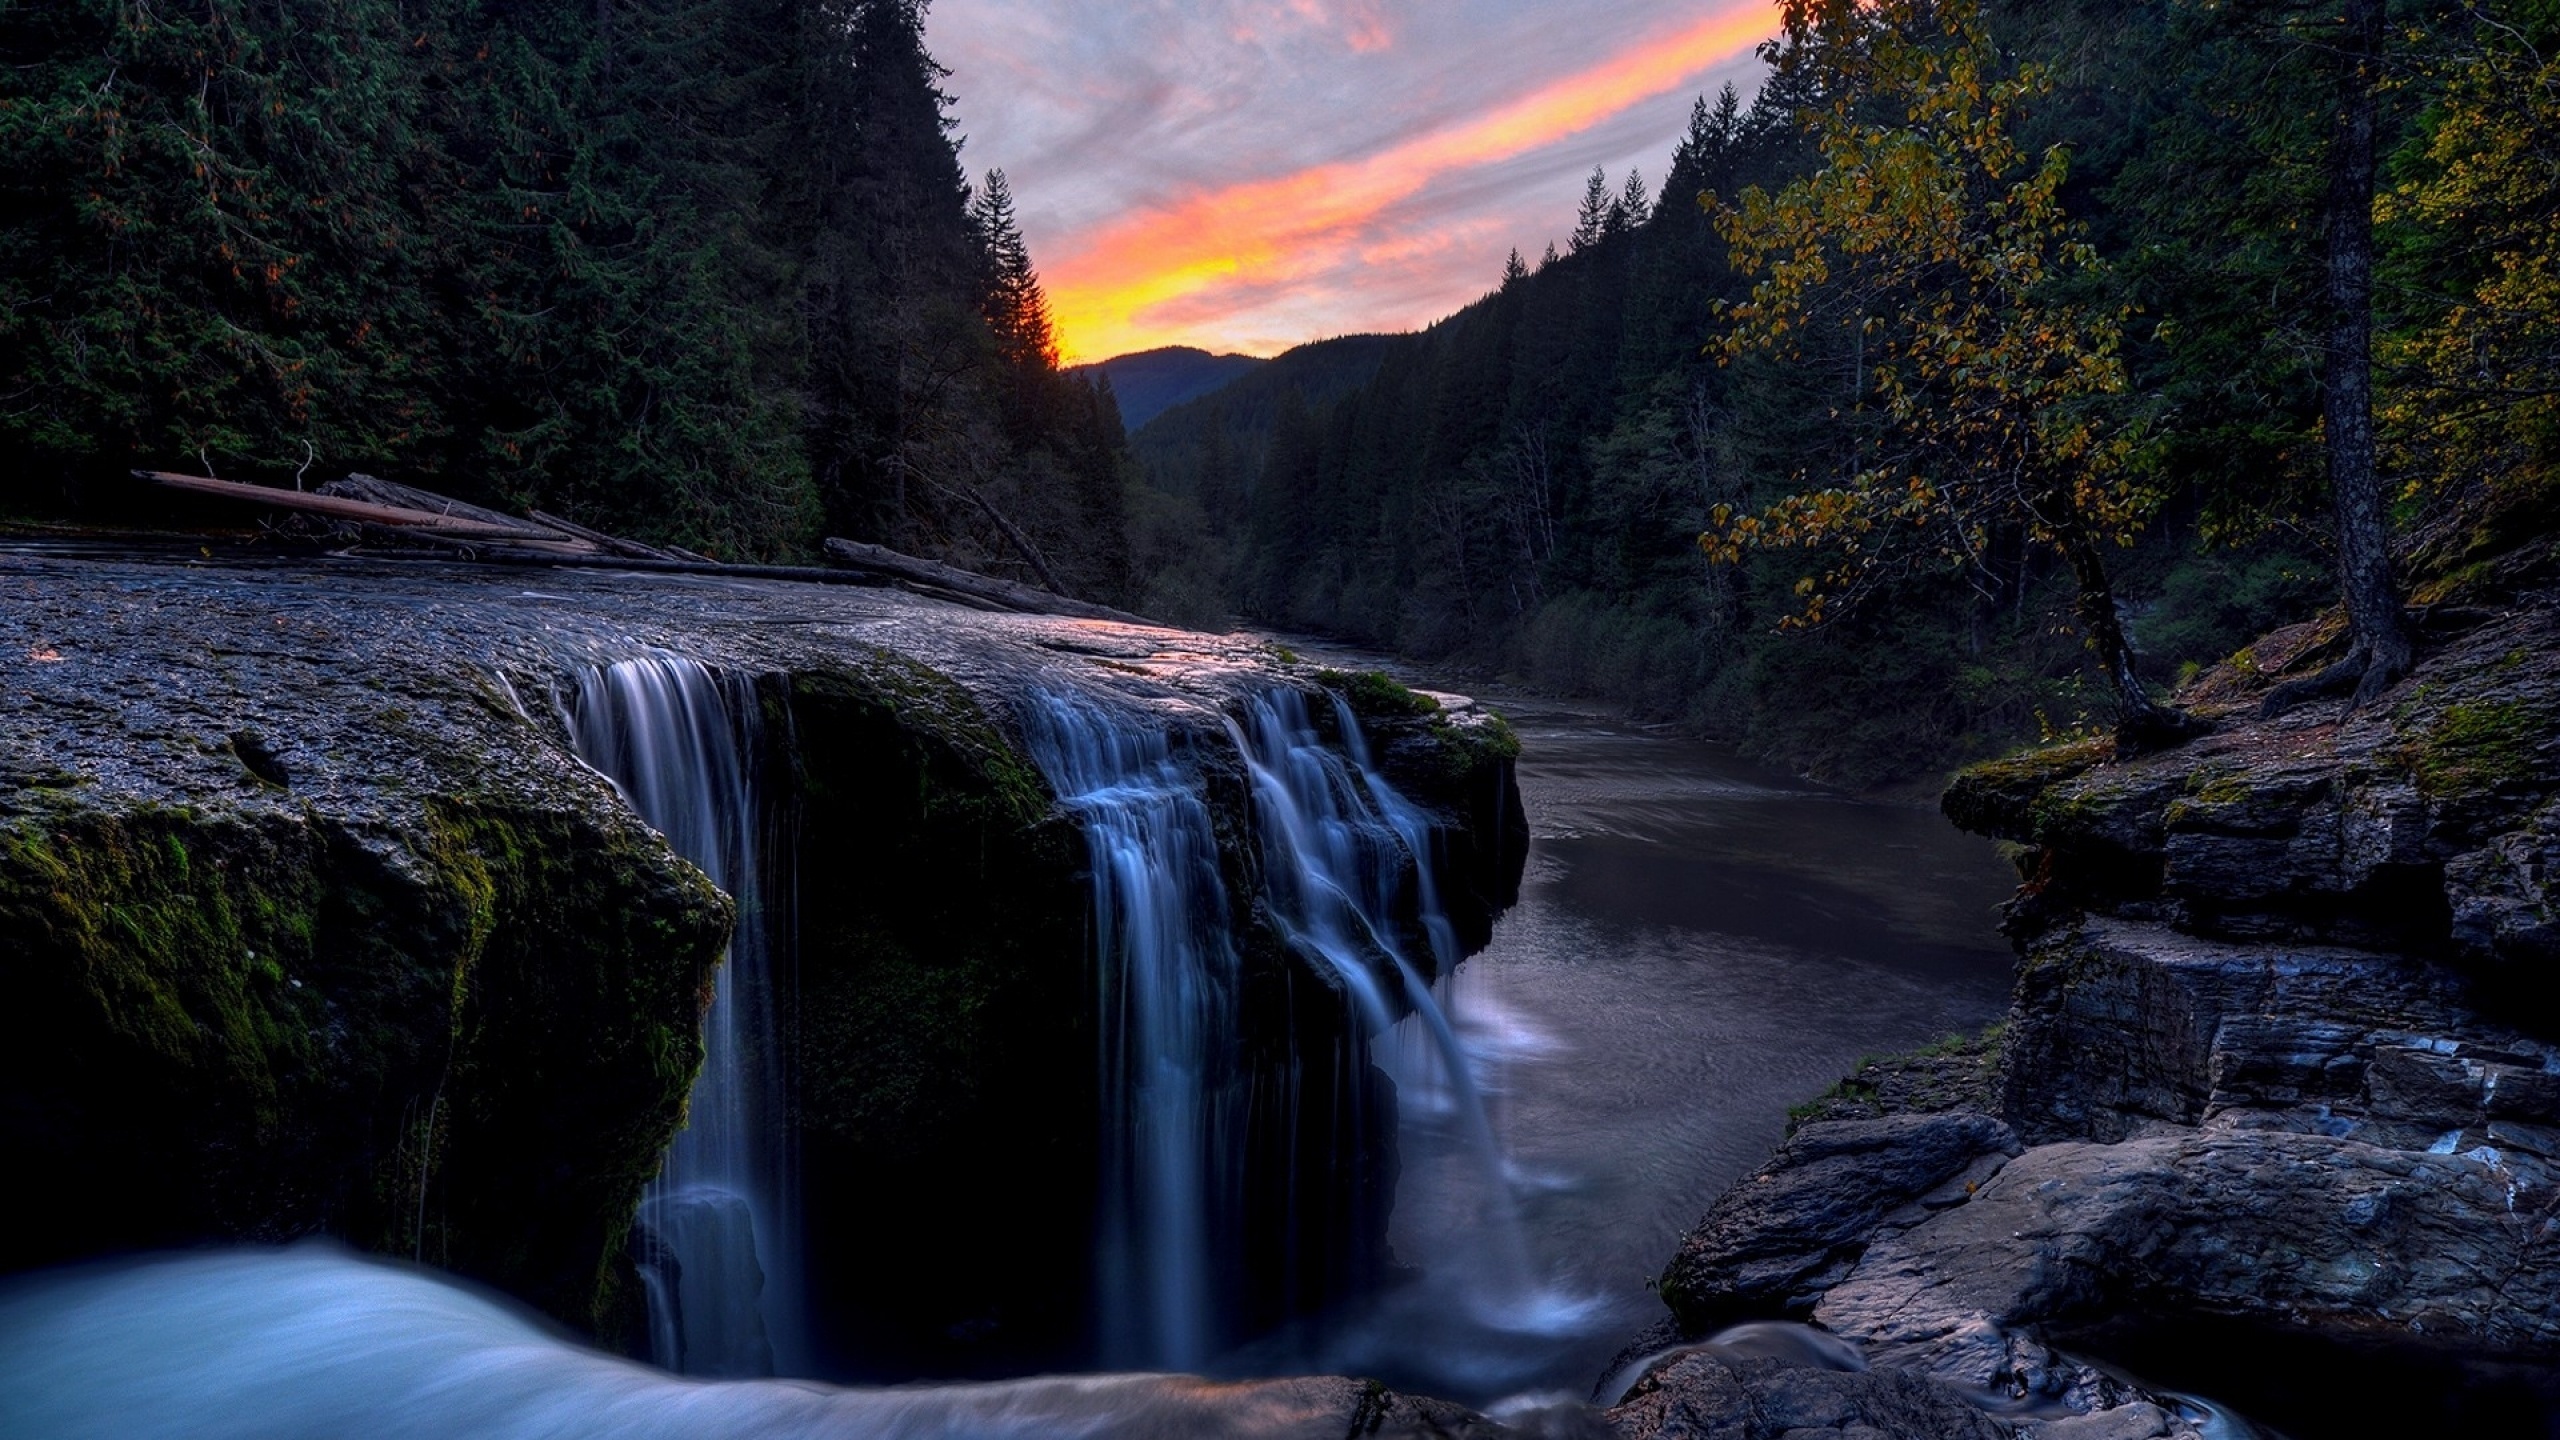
{"type": "Point", "coordinates": [1258, 173]}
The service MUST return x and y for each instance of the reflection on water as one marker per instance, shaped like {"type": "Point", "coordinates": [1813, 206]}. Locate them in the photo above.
{"type": "Point", "coordinates": [1698, 946]}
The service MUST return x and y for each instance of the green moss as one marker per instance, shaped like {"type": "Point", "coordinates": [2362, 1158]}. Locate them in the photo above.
{"type": "Point", "coordinates": [2472, 749]}
{"type": "Point", "coordinates": [1952, 1073]}
{"type": "Point", "coordinates": [468, 1043]}
{"type": "Point", "coordinates": [2012, 798]}
{"type": "Point", "coordinates": [923, 705]}
{"type": "Point", "coordinates": [1376, 695]}
{"type": "Point", "coordinates": [2209, 789]}
{"type": "Point", "coordinates": [184, 961]}
{"type": "Point", "coordinates": [1477, 741]}
{"type": "Point", "coordinates": [2217, 787]}
{"type": "Point", "coordinates": [2072, 811]}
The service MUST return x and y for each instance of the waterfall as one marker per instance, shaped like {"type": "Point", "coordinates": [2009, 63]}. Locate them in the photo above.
{"type": "Point", "coordinates": [1339, 847]}
{"type": "Point", "coordinates": [1167, 1002]}
{"type": "Point", "coordinates": [718, 1225]}
{"type": "Point", "coordinates": [1233, 1187]}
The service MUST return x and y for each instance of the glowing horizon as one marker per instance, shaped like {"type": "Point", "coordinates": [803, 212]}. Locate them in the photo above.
{"type": "Point", "coordinates": [1384, 215]}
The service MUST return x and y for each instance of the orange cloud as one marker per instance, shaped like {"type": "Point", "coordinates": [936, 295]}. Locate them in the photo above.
{"type": "Point", "coordinates": [1268, 232]}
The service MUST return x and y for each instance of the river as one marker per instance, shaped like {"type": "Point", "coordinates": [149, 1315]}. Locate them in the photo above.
{"type": "Point", "coordinates": [1699, 944]}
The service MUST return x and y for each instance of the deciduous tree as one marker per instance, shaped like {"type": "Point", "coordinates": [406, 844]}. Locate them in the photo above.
{"type": "Point", "coordinates": [1936, 254]}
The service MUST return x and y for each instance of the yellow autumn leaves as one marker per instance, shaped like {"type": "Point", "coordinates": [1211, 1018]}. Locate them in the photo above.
{"type": "Point", "coordinates": [1935, 257]}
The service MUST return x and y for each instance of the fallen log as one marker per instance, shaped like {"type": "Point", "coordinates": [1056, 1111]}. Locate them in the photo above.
{"type": "Point", "coordinates": [918, 574]}
{"type": "Point", "coordinates": [589, 560]}
{"type": "Point", "coordinates": [360, 512]}
{"type": "Point", "coordinates": [614, 543]}
{"type": "Point", "coordinates": [376, 490]}
{"type": "Point", "coordinates": [537, 524]}
{"type": "Point", "coordinates": [471, 547]}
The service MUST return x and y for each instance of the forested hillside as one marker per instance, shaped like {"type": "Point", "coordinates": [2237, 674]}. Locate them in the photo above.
{"type": "Point", "coordinates": [1969, 341]}
{"type": "Point", "coordinates": [1151, 382]}
{"type": "Point", "coordinates": [704, 271]}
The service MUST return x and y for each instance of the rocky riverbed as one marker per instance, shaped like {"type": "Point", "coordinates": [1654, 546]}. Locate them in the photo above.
{"type": "Point", "coordinates": [2278, 1091]}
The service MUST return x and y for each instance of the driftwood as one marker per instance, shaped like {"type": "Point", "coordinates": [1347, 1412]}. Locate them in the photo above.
{"type": "Point", "coordinates": [614, 543]}
{"type": "Point", "coordinates": [387, 512]}
{"type": "Point", "coordinates": [967, 585]}
{"type": "Point", "coordinates": [522, 543]}
{"type": "Point", "coordinates": [379, 491]}
{"type": "Point", "coordinates": [520, 555]}
{"type": "Point", "coordinates": [360, 512]}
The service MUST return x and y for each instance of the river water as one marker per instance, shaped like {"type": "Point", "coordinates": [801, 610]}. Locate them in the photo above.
{"type": "Point", "coordinates": [1699, 944]}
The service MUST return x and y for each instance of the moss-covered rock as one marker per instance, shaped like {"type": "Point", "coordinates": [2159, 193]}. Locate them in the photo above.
{"type": "Point", "coordinates": [1959, 1072]}
{"type": "Point", "coordinates": [2366, 827]}
{"type": "Point", "coordinates": [943, 1020]}
{"type": "Point", "coordinates": [466, 1043]}
{"type": "Point", "coordinates": [318, 925]}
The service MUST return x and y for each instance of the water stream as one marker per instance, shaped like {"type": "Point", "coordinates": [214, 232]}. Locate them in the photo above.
{"type": "Point", "coordinates": [718, 1225]}
{"type": "Point", "coordinates": [1345, 857]}
{"type": "Point", "coordinates": [1699, 944]}
{"type": "Point", "coordinates": [1167, 981]}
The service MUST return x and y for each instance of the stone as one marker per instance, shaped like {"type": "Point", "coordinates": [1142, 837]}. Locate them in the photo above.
{"type": "Point", "coordinates": [2118, 1025]}
{"type": "Point", "coordinates": [2140, 1420]}
{"type": "Point", "coordinates": [1780, 1235]}
{"type": "Point", "coordinates": [312, 920]}
{"type": "Point", "coordinates": [2286, 1228]}
{"type": "Point", "coordinates": [1703, 1396]}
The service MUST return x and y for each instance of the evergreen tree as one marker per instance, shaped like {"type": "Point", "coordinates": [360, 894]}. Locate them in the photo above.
{"type": "Point", "coordinates": [682, 268]}
{"type": "Point", "coordinates": [1591, 222]}
{"type": "Point", "coordinates": [1634, 205]}
{"type": "Point", "coordinates": [1015, 306]}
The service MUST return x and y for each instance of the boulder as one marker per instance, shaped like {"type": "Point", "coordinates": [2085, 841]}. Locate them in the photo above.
{"type": "Point", "coordinates": [2301, 1230]}
{"type": "Point", "coordinates": [1706, 1396]}
{"type": "Point", "coordinates": [314, 922]}
{"type": "Point", "coordinates": [1786, 1233]}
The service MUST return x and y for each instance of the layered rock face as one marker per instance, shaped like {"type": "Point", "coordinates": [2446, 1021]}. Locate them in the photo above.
{"type": "Point", "coordinates": [2278, 1067]}
{"type": "Point", "coordinates": [313, 922]}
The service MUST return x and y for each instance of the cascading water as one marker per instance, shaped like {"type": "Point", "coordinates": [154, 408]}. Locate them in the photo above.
{"type": "Point", "coordinates": [1339, 847]}
{"type": "Point", "coordinates": [1217, 1148]}
{"type": "Point", "coordinates": [1168, 1008]}
{"type": "Point", "coordinates": [718, 1224]}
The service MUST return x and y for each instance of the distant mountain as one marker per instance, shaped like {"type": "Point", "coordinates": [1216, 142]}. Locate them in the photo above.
{"type": "Point", "coordinates": [1153, 381]}
{"type": "Point", "coordinates": [1243, 410]}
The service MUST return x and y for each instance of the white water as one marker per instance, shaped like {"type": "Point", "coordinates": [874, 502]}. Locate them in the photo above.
{"type": "Point", "coordinates": [1346, 877]}
{"type": "Point", "coordinates": [1344, 856]}
{"type": "Point", "coordinates": [311, 1343]}
{"type": "Point", "coordinates": [681, 743]}
{"type": "Point", "coordinates": [1167, 975]}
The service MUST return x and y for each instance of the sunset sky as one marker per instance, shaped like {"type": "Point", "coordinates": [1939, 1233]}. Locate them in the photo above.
{"type": "Point", "coordinates": [1251, 174]}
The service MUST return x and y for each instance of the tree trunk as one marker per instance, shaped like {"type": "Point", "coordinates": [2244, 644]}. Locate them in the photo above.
{"type": "Point", "coordinates": [2380, 642]}
{"type": "Point", "coordinates": [2141, 722]}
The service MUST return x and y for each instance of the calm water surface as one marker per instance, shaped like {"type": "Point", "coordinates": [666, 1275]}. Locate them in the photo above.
{"type": "Point", "coordinates": [1698, 945]}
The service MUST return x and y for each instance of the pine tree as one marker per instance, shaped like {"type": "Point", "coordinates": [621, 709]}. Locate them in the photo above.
{"type": "Point", "coordinates": [1634, 206]}
{"type": "Point", "coordinates": [1017, 309]}
{"type": "Point", "coordinates": [1591, 222]}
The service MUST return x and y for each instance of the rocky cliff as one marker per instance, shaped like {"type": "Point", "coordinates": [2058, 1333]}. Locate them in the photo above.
{"type": "Point", "coordinates": [313, 922]}
{"type": "Point", "coordinates": [2279, 1088]}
